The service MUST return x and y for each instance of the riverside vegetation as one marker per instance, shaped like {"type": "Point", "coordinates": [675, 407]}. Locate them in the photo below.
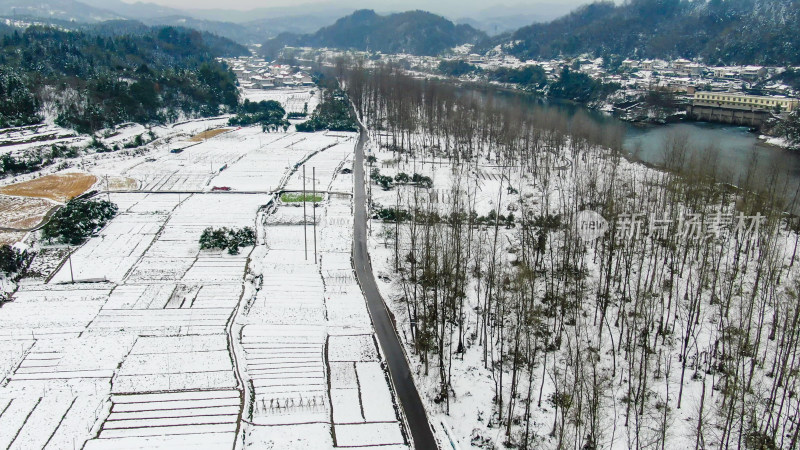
{"type": "Point", "coordinates": [645, 337]}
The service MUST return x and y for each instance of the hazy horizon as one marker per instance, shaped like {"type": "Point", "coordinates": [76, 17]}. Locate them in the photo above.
{"type": "Point", "coordinates": [450, 8]}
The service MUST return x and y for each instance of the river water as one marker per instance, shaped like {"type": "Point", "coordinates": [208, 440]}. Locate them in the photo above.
{"type": "Point", "coordinates": [737, 146]}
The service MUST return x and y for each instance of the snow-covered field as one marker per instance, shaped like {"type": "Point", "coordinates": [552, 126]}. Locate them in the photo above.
{"type": "Point", "coordinates": [158, 344]}
{"type": "Point", "coordinates": [293, 100]}
{"type": "Point", "coordinates": [311, 356]}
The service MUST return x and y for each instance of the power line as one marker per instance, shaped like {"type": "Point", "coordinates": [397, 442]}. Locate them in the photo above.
{"type": "Point", "coordinates": [314, 207]}
{"type": "Point", "coordinates": [305, 234]}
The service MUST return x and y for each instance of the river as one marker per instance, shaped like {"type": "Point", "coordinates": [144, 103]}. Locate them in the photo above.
{"type": "Point", "coordinates": [737, 145]}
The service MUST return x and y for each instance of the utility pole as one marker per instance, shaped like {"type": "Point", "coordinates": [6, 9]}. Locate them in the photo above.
{"type": "Point", "coordinates": [108, 193]}
{"type": "Point", "coordinates": [314, 207]}
{"type": "Point", "coordinates": [305, 235]}
{"type": "Point", "coordinates": [71, 275]}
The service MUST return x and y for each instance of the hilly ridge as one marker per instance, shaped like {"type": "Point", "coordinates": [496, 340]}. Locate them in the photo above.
{"type": "Point", "coordinates": [90, 80]}
{"type": "Point", "coordinates": [248, 28]}
{"type": "Point", "coordinates": [414, 32]}
{"type": "Point", "coordinates": [57, 9]}
{"type": "Point", "coordinates": [716, 31]}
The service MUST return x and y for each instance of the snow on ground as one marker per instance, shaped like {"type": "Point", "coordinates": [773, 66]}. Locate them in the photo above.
{"type": "Point", "coordinates": [23, 212]}
{"type": "Point", "coordinates": [325, 165]}
{"type": "Point", "coordinates": [22, 138]}
{"type": "Point", "coordinates": [776, 141]}
{"type": "Point", "coordinates": [292, 99]}
{"type": "Point", "coordinates": [469, 421]}
{"type": "Point", "coordinates": [193, 419]}
{"type": "Point", "coordinates": [136, 353]}
{"type": "Point", "coordinates": [471, 409]}
{"type": "Point", "coordinates": [311, 355]}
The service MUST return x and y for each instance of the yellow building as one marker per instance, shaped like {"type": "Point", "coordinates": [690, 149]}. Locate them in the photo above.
{"type": "Point", "coordinates": [744, 101]}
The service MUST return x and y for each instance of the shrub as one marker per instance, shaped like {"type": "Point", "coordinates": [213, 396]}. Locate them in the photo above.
{"type": "Point", "coordinates": [333, 113]}
{"type": "Point", "coordinates": [227, 238]}
{"type": "Point", "coordinates": [393, 215]}
{"type": "Point", "coordinates": [12, 260]}
{"type": "Point", "coordinates": [267, 113]}
{"type": "Point", "coordinates": [422, 180]}
{"type": "Point", "coordinates": [78, 219]}
{"type": "Point", "coordinates": [384, 181]}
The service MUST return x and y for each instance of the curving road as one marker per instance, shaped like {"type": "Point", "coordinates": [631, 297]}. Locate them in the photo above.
{"type": "Point", "coordinates": [420, 428]}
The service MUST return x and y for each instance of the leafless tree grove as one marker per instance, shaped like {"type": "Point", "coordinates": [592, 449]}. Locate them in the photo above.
{"type": "Point", "coordinates": [679, 325]}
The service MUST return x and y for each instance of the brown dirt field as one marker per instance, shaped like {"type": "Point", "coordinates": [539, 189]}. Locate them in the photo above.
{"type": "Point", "coordinates": [122, 184]}
{"type": "Point", "coordinates": [22, 213]}
{"type": "Point", "coordinates": [208, 134]}
{"type": "Point", "coordinates": [11, 237]}
{"type": "Point", "coordinates": [60, 188]}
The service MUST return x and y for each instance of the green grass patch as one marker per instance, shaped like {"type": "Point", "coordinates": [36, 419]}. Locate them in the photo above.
{"type": "Point", "coordinates": [294, 197]}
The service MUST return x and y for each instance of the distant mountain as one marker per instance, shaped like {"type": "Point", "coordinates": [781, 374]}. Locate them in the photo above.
{"type": "Point", "coordinates": [222, 46]}
{"type": "Point", "coordinates": [69, 10]}
{"type": "Point", "coordinates": [501, 24]}
{"type": "Point", "coordinates": [233, 31]}
{"type": "Point", "coordinates": [327, 12]}
{"type": "Point", "coordinates": [415, 32]}
{"type": "Point", "coordinates": [503, 18]}
{"type": "Point", "coordinates": [244, 27]}
{"type": "Point", "coordinates": [298, 24]}
{"type": "Point", "coordinates": [117, 27]}
{"type": "Point", "coordinates": [717, 31]}
{"type": "Point", "coordinates": [138, 10]}
{"type": "Point", "coordinates": [217, 44]}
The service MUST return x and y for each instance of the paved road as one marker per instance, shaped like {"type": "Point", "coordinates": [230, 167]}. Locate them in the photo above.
{"type": "Point", "coordinates": [390, 344]}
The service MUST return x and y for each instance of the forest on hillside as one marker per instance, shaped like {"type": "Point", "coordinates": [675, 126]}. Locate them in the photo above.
{"type": "Point", "coordinates": [716, 31]}
{"type": "Point", "coordinates": [414, 32]}
{"type": "Point", "coordinates": [91, 81]}
{"type": "Point", "coordinates": [568, 85]}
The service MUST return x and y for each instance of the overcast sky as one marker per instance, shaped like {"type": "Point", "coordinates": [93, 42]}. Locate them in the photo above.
{"type": "Point", "coordinates": [450, 8]}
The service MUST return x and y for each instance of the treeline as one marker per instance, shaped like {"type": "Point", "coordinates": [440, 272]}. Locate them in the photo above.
{"type": "Point", "coordinates": [34, 159]}
{"type": "Point", "coordinates": [89, 82]}
{"type": "Point", "coordinates": [12, 261]}
{"type": "Point", "coordinates": [77, 220]}
{"type": "Point", "coordinates": [459, 126]}
{"type": "Point", "coordinates": [267, 113]}
{"type": "Point", "coordinates": [580, 87]}
{"type": "Point", "coordinates": [687, 303]}
{"type": "Point", "coordinates": [387, 181]}
{"type": "Point", "coordinates": [569, 85]}
{"type": "Point", "coordinates": [790, 129]}
{"type": "Point", "coordinates": [529, 76]}
{"type": "Point", "coordinates": [333, 113]}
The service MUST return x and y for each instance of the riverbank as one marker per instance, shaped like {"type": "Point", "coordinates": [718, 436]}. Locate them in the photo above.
{"type": "Point", "coordinates": [645, 141]}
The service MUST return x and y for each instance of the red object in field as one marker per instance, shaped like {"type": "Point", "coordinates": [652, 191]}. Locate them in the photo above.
{"type": "Point", "coordinates": [220, 188]}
